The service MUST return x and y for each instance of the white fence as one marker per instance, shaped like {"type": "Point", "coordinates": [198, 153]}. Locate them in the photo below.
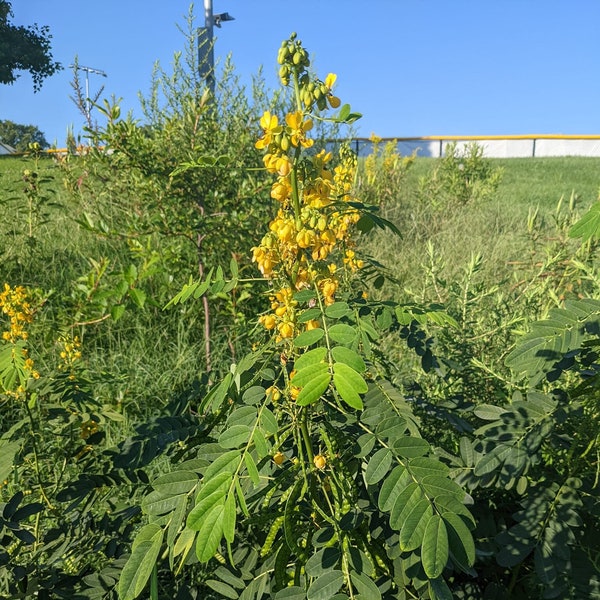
{"type": "Point", "coordinates": [495, 146]}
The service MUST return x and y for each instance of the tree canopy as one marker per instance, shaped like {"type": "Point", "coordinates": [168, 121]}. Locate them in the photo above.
{"type": "Point", "coordinates": [20, 136]}
{"type": "Point", "coordinates": [24, 49]}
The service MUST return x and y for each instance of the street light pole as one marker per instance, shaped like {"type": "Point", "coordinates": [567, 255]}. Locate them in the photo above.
{"type": "Point", "coordinates": [206, 54]}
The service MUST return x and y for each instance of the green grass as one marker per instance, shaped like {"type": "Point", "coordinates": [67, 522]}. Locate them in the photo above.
{"type": "Point", "coordinates": [154, 353]}
{"type": "Point", "coordinates": [495, 228]}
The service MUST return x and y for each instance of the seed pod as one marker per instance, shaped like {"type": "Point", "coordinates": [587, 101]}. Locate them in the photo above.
{"type": "Point", "coordinates": [275, 527]}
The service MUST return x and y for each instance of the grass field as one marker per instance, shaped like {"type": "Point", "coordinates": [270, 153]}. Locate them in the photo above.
{"type": "Point", "coordinates": [440, 241]}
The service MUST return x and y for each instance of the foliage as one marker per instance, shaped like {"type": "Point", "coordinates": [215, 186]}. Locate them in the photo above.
{"type": "Point", "coordinates": [461, 177]}
{"type": "Point", "coordinates": [21, 136]}
{"type": "Point", "coordinates": [24, 49]}
{"type": "Point", "coordinates": [382, 173]}
{"type": "Point", "coordinates": [442, 443]}
{"type": "Point", "coordinates": [315, 472]}
{"type": "Point", "coordinates": [163, 183]}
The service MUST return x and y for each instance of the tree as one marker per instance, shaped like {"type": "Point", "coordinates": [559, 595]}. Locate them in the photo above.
{"type": "Point", "coordinates": [20, 136]}
{"type": "Point", "coordinates": [24, 49]}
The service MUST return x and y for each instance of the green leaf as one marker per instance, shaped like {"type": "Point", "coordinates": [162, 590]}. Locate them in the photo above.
{"type": "Point", "coordinates": [314, 389]}
{"type": "Point", "coordinates": [138, 296]}
{"type": "Point", "coordinates": [226, 463]}
{"type": "Point", "coordinates": [251, 468]}
{"type": "Point", "coordinates": [489, 412]}
{"type": "Point", "coordinates": [309, 314]}
{"type": "Point", "coordinates": [155, 503]}
{"type": "Point", "coordinates": [326, 586]}
{"type": "Point", "coordinates": [365, 586]}
{"type": "Point", "coordinates": [229, 517]}
{"type": "Point", "coordinates": [307, 374]}
{"type": "Point", "coordinates": [253, 395]}
{"type": "Point", "coordinates": [7, 456]}
{"type": "Point", "coordinates": [308, 338]}
{"type": "Point", "coordinates": [439, 590]}
{"type": "Point", "coordinates": [116, 312]}
{"type": "Point", "coordinates": [378, 466]}
{"type": "Point", "coordinates": [210, 534]}
{"type": "Point", "coordinates": [176, 482]}
{"type": "Point", "coordinates": [224, 590]}
{"type": "Point", "coordinates": [235, 436]}
{"type": "Point", "coordinates": [217, 394]}
{"type": "Point", "coordinates": [410, 447]}
{"type": "Point", "coordinates": [312, 357]}
{"type": "Point", "coordinates": [395, 482]}
{"type": "Point", "coordinates": [434, 552]}
{"type": "Point", "coordinates": [349, 384]}
{"type": "Point", "coordinates": [438, 485]}
{"type": "Point", "coordinates": [139, 566]}
{"type": "Point", "coordinates": [413, 530]}
{"type": "Point", "coordinates": [342, 333]}
{"type": "Point", "coordinates": [260, 444]}
{"type": "Point", "coordinates": [337, 310]}
{"type": "Point", "coordinates": [460, 539]}
{"type": "Point", "coordinates": [291, 593]}
{"type": "Point", "coordinates": [322, 561]}
{"type": "Point", "coordinates": [391, 428]}
{"type": "Point", "coordinates": [349, 357]}
{"type": "Point", "coordinates": [268, 421]}
{"type": "Point", "coordinates": [492, 460]}
{"type": "Point", "coordinates": [423, 467]}
{"type": "Point", "coordinates": [245, 415]}
{"type": "Point", "coordinates": [405, 502]}
{"type": "Point", "coordinates": [211, 494]}
{"type": "Point", "coordinates": [588, 226]}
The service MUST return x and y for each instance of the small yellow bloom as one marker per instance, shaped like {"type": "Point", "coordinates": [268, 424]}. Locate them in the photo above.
{"type": "Point", "coordinates": [298, 128]}
{"type": "Point", "coordinates": [320, 461]}
{"type": "Point", "coordinates": [286, 330]}
{"type": "Point", "coordinates": [278, 458]}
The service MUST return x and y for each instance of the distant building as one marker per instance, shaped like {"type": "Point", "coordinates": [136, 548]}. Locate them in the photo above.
{"type": "Point", "coordinates": [6, 149]}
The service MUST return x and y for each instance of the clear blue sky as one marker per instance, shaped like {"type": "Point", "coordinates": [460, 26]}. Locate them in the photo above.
{"type": "Point", "coordinates": [412, 67]}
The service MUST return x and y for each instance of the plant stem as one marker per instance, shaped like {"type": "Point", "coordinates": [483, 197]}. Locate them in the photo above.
{"type": "Point", "coordinates": [306, 435]}
{"type": "Point", "coordinates": [36, 466]}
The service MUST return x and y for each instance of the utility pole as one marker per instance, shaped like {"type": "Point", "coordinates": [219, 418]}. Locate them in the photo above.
{"type": "Point", "coordinates": [206, 55]}
{"type": "Point", "coordinates": [88, 70]}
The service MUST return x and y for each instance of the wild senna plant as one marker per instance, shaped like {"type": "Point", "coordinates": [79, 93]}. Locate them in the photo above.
{"type": "Point", "coordinates": [307, 476]}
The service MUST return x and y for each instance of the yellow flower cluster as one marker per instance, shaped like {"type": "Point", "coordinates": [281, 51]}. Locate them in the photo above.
{"type": "Point", "coordinates": [70, 353]}
{"type": "Point", "coordinates": [313, 219]}
{"type": "Point", "coordinates": [14, 303]}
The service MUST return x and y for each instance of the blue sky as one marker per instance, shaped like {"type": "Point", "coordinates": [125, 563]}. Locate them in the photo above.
{"type": "Point", "coordinates": [411, 67]}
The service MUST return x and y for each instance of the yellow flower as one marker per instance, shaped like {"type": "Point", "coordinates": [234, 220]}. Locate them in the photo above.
{"type": "Point", "coordinates": [278, 458]}
{"type": "Point", "coordinates": [334, 101]}
{"type": "Point", "coordinates": [298, 128]}
{"type": "Point", "coordinates": [330, 80]}
{"type": "Point", "coordinates": [320, 462]}
{"type": "Point", "coordinates": [268, 321]}
{"type": "Point", "coordinates": [286, 330]}
{"type": "Point", "coordinates": [271, 127]}
{"type": "Point", "coordinates": [281, 190]}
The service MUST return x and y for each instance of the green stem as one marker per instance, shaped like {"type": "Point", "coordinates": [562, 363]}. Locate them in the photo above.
{"type": "Point", "coordinates": [36, 465]}
{"type": "Point", "coordinates": [154, 584]}
{"type": "Point", "coordinates": [306, 435]}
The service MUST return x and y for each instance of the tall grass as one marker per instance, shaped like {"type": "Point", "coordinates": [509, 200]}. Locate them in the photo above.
{"type": "Point", "coordinates": [152, 354]}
